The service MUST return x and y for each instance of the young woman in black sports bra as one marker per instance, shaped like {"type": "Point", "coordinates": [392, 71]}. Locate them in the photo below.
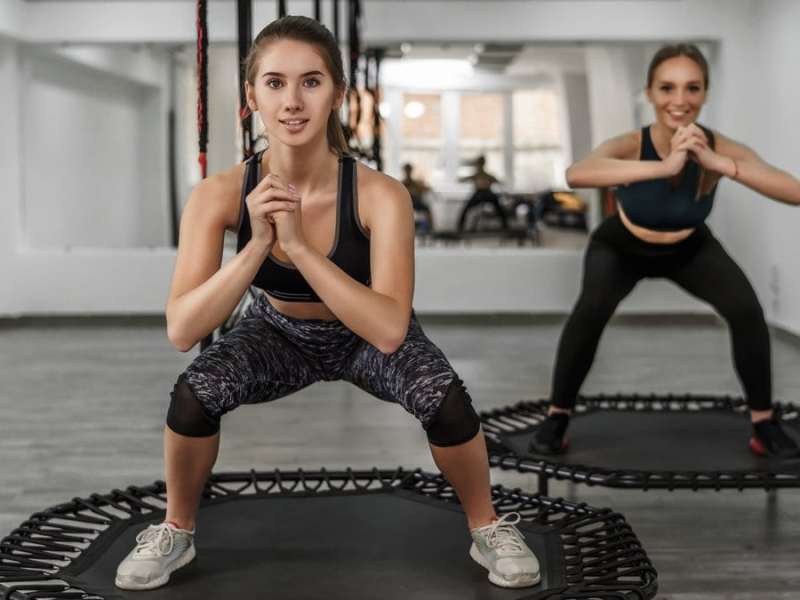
{"type": "Point", "coordinates": [665, 177]}
{"type": "Point", "coordinates": [329, 245]}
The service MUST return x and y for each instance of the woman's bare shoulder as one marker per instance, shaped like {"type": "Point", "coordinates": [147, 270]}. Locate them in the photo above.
{"type": "Point", "coordinates": [380, 194]}
{"type": "Point", "coordinates": [378, 184]}
{"type": "Point", "coordinates": [219, 196]}
{"type": "Point", "coordinates": [626, 146]}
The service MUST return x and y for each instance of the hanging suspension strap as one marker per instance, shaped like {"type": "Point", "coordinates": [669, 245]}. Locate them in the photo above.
{"type": "Point", "coordinates": [335, 4]}
{"type": "Point", "coordinates": [244, 16]}
{"type": "Point", "coordinates": [202, 84]}
{"type": "Point", "coordinates": [374, 89]}
{"type": "Point", "coordinates": [353, 109]}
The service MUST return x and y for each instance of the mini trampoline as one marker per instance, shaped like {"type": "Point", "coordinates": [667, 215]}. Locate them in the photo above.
{"type": "Point", "coordinates": [387, 534]}
{"type": "Point", "coordinates": [669, 442]}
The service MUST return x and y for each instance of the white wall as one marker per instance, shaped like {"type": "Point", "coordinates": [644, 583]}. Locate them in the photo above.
{"type": "Point", "coordinates": [576, 91]}
{"type": "Point", "coordinates": [223, 86]}
{"type": "Point", "coordinates": [609, 85]}
{"type": "Point", "coordinates": [12, 17]}
{"type": "Point", "coordinates": [66, 113]}
{"type": "Point", "coordinates": [10, 165]}
{"type": "Point", "coordinates": [510, 20]}
{"type": "Point", "coordinates": [750, 101]}
{"type": "Point", "coordinates": [765, 234]}
{"type": "Point", "coordinates": [138, 21]}
{"type": "Point", "coordinates": [520, 281]}
{"type": "Point", "coordinates": [86, 139]}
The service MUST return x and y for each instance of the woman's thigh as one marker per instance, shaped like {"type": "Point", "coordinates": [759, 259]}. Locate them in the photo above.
{"type": "Point", "coordinates": [416, 376]}
{"type": "Point", "coordinates": [251, 363]}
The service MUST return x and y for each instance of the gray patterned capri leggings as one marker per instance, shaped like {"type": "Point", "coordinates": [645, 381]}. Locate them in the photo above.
{"type": "Point", "coordinates": [268, 355]}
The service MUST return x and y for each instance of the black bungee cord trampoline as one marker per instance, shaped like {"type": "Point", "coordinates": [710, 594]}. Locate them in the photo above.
{"type": "Point", "coordinates": [374, 534]}
{"type": "Point", "coordinates": [645, 442]}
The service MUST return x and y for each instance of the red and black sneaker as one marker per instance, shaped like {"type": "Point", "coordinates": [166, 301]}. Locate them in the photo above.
{"type": "Point", "coordinates": [549, 437]}
{"type": "Point", "coordinates": [770, 439]}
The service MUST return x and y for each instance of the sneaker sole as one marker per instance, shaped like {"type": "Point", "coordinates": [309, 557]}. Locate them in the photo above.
{"type": "Point", "coordinates": [188, 557]}
{"type": "Point", "coordinates": [499, 581]}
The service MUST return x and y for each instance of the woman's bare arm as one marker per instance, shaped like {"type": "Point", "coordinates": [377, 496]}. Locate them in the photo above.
{"type": "Point", "coordinates": [746, 167]}
{"type": "Point", "coordinates": [203, 295]}
{"type": "Point", "coordinates": [380, 314]}
{"type": "Point", "coordinates": [615, 162]}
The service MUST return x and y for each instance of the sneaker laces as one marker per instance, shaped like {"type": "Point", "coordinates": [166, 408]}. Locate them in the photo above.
{"type": "Point", "coordinates": [504, 537]}
{"type": "Point", "coordinates": [156, 540]}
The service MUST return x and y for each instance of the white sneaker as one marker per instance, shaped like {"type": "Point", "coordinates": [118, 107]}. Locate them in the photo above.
{"type": "Point", "coordinates": [160, 550]}
{"type": "Point", "coordinates": [501, 549]}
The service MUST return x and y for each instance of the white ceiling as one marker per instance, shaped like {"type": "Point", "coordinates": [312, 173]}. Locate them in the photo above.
{"type": "Point", "coordinates": [532, 59]}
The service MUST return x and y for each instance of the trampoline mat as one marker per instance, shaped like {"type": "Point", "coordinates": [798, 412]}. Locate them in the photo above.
{"type": "Point", "coordinates": [386, 546]}
{"type": "Point", "coordinates": [616, 440]}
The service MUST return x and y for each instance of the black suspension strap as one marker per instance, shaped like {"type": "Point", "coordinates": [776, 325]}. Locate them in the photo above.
{"type": "Point", "coordinates": [335, 4]}
{"type": "Point", "coordinates": [353, 108]}
{"type": "Point", "coordinates": [244, 17]}
{"type": "Point", "coordinates": [374, 89]}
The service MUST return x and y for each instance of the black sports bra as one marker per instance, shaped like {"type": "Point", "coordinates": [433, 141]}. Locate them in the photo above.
{"type": "Point", "coordinates": [350, 251]}
{"type": "Point", "coordinates": [659, 204]}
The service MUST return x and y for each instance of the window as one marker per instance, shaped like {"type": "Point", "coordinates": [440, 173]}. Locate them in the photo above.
{"type": "Point", "coordinates": [481, 131]}
{"type": "Point", "coordinates": [520, 133]}
{"type": "Point", "coordinates": [537, 146]}
{"type": "Point", "coordinates": [421, 134]}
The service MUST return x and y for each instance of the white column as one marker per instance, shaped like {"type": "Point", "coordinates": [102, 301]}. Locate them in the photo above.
{"type": "Point", "coordinates": [10, 175]}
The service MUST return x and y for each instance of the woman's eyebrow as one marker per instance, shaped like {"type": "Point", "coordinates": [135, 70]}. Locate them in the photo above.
{"type": "Point", "coordinates": [667, 81]}
{"type": "Point", "coordinates": [307, 74]}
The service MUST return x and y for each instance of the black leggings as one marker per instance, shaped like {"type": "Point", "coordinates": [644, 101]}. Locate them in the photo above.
{"type": "Point", "coordinates": [616, 261]}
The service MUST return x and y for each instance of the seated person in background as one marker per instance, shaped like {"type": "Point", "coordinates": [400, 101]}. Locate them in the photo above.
{"type": "Point", "coordinates": [416, 189]}
{"type": "Point", "coordinates": [483, 193]}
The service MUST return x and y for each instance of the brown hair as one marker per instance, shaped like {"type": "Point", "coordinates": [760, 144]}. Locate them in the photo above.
{"type": "Point", "coordinates": [671, 51]}
{"type": "Point", "coordinates": [304, 29]}
{"type": "Point", "coordinates": [705, 182]}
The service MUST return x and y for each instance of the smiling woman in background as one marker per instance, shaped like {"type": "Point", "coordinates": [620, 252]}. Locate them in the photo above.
{"type": "Point", "coordinates": [666, 176]}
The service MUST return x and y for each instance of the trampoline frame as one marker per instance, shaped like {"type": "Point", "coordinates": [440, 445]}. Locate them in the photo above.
{"type": "Point", "coordinates": [602, 557]}
{"type": "Point", "coordinates": [527, 414]}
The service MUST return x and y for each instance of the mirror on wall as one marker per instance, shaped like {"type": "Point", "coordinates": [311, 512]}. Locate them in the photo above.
{"type": "Point", "coordinates": [480, 133]}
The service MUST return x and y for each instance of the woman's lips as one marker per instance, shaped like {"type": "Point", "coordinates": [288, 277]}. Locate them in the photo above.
{"type": "Point", "coordinates": [294, 125]}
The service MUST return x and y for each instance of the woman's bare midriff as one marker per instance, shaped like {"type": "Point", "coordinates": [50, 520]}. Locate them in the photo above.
{"type": "Point", "coordinates": [302, 310]}
{"type": "Point", "coordinates": [653, 237]}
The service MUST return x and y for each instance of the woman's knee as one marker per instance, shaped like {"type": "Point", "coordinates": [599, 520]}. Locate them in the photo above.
{"type": "Point", "coordinates": [743, 312]}
{"type": "Point", "coordinates": [187, 415]}
{"type": "Point", "coordinates": [456, 421]}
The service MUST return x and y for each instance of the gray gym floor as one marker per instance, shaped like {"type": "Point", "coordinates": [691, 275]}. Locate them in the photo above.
{"type": "Point", "coordinates": [82, 405]}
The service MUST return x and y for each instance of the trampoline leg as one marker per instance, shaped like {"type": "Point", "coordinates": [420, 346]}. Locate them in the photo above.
{"type": "Point", "coordinates": [544, 486]}
{"type": "Point", "coordinates": [572, 493]}
{"type": "Point", "coordinates": [772, 513]}
{"type": "Point", "coordinates": [772, 498]}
